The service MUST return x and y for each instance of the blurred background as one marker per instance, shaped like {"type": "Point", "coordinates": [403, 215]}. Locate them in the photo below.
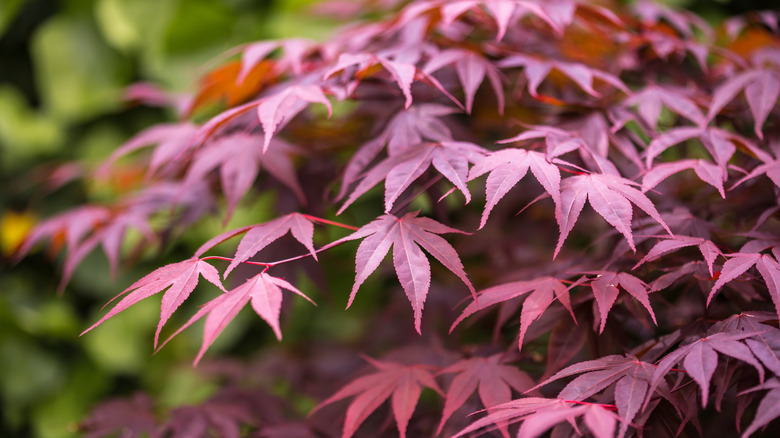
{"type": "Point", "coordinates": [64, 69]}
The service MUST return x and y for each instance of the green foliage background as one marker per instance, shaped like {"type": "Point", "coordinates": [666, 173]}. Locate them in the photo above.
{"type": "Point", "coordinates": [63, 68]}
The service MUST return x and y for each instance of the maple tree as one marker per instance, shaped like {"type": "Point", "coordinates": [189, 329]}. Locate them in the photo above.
{"type": "Point", "coordinates": [637, 315]}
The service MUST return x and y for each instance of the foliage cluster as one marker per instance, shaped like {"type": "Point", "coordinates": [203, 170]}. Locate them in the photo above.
{"type": "Point", "coordinates": [638, 315]}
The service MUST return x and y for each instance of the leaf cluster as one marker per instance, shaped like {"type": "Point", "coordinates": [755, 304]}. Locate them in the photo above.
{"type": "Point", "coordinates": [635, 315]}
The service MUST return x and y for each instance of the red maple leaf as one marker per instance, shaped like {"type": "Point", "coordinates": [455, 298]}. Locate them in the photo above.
{"type": "Point", "coordinates": [402, 383]}
{"type": "Point", "coordinates": [543, 292]}
{"type": "Point", "coordinates": [489, 376]}
{"type": "Point", "coordinates": [700, 358]}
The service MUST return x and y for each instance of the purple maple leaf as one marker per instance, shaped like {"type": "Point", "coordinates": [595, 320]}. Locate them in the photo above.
{"type": "Point", "coordinates": [400, 383]}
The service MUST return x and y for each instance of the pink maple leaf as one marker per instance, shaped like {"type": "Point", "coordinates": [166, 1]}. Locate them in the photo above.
{"type": "Point", "coordinates": [739, 263]}
{"type": "Point", "coordinates": [265, 293]}
{"type": "Point", "coordinates": [281, 107]}
{"type": "Point", "coordinates": [179, 278]}
{"type": "Point", "coordinates": [406, 235]}
{"type": "Point", "coordinates": [537, 69]}
{"type": "Point", "coordinates": [629, 376]}
{"type": "Point", "coordinates": [172, 141]}
{"type": "Point", "coordinates": [611, 196]}
{"type": "Point", "coordinates": [407, 128]}
{"type": "Point", "coordinates": [449, 158]}
{"type": "Point", "coordinates": [259, 236]}
{"type": "Point", "coordinates": [708, 249]}
{"type": "Point", "coordinates": [605, 290]}
{"type": "Point", "coordinates": [540, 414]}
{"type": "Point", "coordinates": [761, 87]}
{"type": "Point", "coordinates": [507, 167]}
{"type": "Point", "coordinates": [239, 158]}
{"type": "Point", "coordinates": [471, 69]}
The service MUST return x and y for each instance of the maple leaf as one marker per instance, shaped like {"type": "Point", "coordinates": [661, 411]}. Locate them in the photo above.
{"type": "Point", "coordinates": [220, 120]}
{"type": "Point", "coordinates": [685, 22]}
{"type": "Point", "coordinates": [605, 290]}
{"type": "Point", "coordinates": [179, 278]}
{"type": "Point", "coordinates": [761, 87]}
{"type": "Point", "coordinates": [560, 141]}
{"type": "Point", "coordinates": [471, 69]}
{"type": "Point", "coordinates": [86, 227]}
{"type": "Point", "coordinates": [450, 158]}
{"type": "Point", "coordinates": [400, 383]}
{"type": "Point", "coordinates": [400, 69]}
{"type": "Point", "coordinates": [172, 141]}
{"type": "Point", "coordinates": [543, 292]}
{"type": "Point", "coordinates": [83, 229]}
{"type": "Point", "coordinates": [406, 235]}
{"type": "Point", "coordinates": [650, 100]}
{"type": "Point", "coordinates": [770, 167]}
{"type": "Point", "coordinates": [664, 44]}
{"type": "Point", "coordinates": [222, 85]}
{"type": "Point", "coordinates": [507, 167]}
{"type": "Point", "coordinates": [502, 11]}
{"type": "Point", "coordinates": [265, 293]}
{"type": "Point", "coordinates": [210, 419]}
{"type": "Point", "coordinates": [294, 52]}
{"type": "Point", "coordinates": [406, 129]}
{"type": "Point", "coordinates": [700, 358]}
{"type": "Point", "coordinates": [705, 170]}
{"type": "Point", "coordinates": [540, 414]}
{"type": "Point", "coordinates": [708, 250]}
{"type": "Point", "coordinates": [765, 343]}
{"type": "Point", "coordinates": [739, 263]}
{"type": "Point", "coordinates": [259, 236]}
{"type": "Point", "coordinates": [239, 158]}
{"type": "Point", "coordinates": [769, 407]}
{"type": "Point", "coordinates": [537, 69]}
{"type": "Point", "coordinates": [629, 376]}
{"type": "Point", "coordinates": [566, 341]}
{"type": "Point", "coordinates": [279, 108]}
{"type": "Point", "coordinates": [721, 144]}
{"type": "Point", "coordinates": [493, 379]}
{"type": "Point", "coordinates": [611, 196]}
{"type": "Point", "coordinates": [132, 417]}
{"type": "Point", "coordinates": [70, 228]}
{"type": "Point", "coordinates": [150, 94]}
{"type": "Point", "coordinates": [674, 275]}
